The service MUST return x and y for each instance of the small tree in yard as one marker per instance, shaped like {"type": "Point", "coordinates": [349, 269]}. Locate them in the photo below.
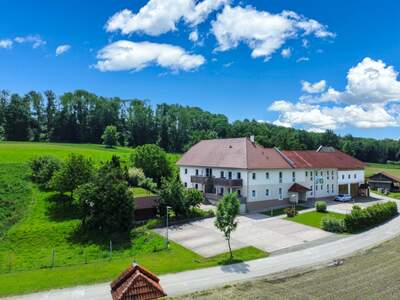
{"type": "Point", "coordinates": [172, 193]}
{"type": "Point", "coordinates": [106, 203]}
{"type": "Point", "coordinates": [194, 197]}
{"type": "Point", "coordinates": [110, 136]}
{"type": "Point", "coordinates": [75, 171]}
{"type": "Point", "coordinates": [227, 211]}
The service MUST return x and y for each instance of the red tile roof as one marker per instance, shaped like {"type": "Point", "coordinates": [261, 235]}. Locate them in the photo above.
{"type": "Point", "coordinates": [239, 153]}
{"type": "Point", "coordinates": [136, 283]}
{"type": "Point", "coordinates": [298, 188]}
{"type": "Point", "coordinates": [312, 159]}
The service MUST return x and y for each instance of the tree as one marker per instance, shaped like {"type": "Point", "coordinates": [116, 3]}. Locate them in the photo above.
{"type": "Point", "coordinates": [110, 136]}
{"type": "Point", "coordinates": [75, 171]}
{"type": "Point", "coordinates": [50, 113]}
{"type": "Point", "coordinates": [106, 203]}
{"type": "Point", "coordinates": [172, 194]}
{"type": "Point", "coordinates": [43, 168]}
{"type": "Point", "coordinates": [227, 211]}
{"type": "Point", "coordinates": [153, 161]}
{"type": "Point", "coordinates": [194, 198]}
{"type": "Point", "coordinates": [17, 116]}
{"type": "Point", "coordinates": [141, 124]}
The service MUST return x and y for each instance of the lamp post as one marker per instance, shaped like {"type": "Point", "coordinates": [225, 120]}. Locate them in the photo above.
{"type": "Point", "coordinates": [166, 242]}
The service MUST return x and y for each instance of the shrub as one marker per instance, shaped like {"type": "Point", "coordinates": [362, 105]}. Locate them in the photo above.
{"type": "Point", "coordinates": [333, 225]}
{"type": "Point", "coordinates": [148, 184]}
{"type": "Point", "coordinates": [290, 212]}
{"type": "Point", "coordinates": [320, 206]}
{"type": "Point", "coordinates": [43, 169]}
{"type": "Point", "coordinates": [134, 176]}
{"type": "Point", "coordinates": [361, 219]}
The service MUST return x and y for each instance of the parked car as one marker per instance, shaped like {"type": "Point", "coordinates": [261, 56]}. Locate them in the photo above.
{"type": "Point", "coordinates": [343, 198]}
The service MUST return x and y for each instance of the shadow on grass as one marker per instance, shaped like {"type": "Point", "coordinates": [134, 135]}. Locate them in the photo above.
{"type": "Point", "coordinates": [60, 208]}
{"type": "Point", "coordinates": [85, 236]}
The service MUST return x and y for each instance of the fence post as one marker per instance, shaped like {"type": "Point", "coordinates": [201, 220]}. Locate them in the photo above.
{"type": "Point", "coordinates": [53, 254]}
{"type": "Point", "coordinates": [110, 249]}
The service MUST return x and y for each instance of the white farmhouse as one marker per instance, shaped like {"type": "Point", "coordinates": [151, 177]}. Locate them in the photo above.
{"type": "Point", "coordinates": [267, 177]}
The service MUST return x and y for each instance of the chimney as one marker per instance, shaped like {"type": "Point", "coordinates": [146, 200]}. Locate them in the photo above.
{"type": "Point", "coordinates": [252, 139]}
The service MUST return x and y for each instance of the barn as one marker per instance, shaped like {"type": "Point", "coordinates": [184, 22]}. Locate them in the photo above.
{"type": "Point", "coordinates": [385, 181]}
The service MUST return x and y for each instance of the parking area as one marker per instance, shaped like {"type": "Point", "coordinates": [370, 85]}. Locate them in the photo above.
{"type": "Point", "coordinates": [346, 207]}
{"type": "Point", "coordinates": [268, 234]}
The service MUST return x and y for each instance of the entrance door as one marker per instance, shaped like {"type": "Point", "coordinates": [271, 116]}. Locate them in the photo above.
{"type": "Point", "coordinates": [343, 189]}
{"type": "Point", "coordinates": [354, 189]}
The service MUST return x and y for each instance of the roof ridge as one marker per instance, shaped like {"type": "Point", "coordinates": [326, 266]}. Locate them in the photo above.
{"type": "Point", "coordinates": [303, 159]}
{"type": "Point", "coordinates": [287, 159]}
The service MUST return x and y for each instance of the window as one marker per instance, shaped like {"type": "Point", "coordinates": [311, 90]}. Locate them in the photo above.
{"type": "Point", "coordinates": [185, 171]}
{"type": "Point", "coordinates": [306, 173]}
{"type": "Point", "coordinates": [280, 194]}
{"type": "Point", "coordinates": [185, 184]}
{"type": "Point", "coordinates": [196, 186]}
{"type": "Point", "coordinates": [222, 174]}
{"type": "Point", "coordinates": [280, 177]}
{"type": "Point", "coordinates": [322, 187]}
{"type": "Point", "coordinates": [355, 175]}
{"type": "Point", "coordinates": [294, 176]}
{"type": "Point", "coordinates": [253, 193]}
{"type": "Point", "coordinates": [267, 175]}
{"type": "Point", "coordinates": [197, 172]}
{"type": "Point", "coordinates": [311, 177]}
{"type": "Point", "coordinates": [230, 175]}
{"type": "Point", "coordinates": [349, 176]}
{"type": "Point", "coordinates": [333, 189]}
{"type": "Point", "coordinates": [239, 192]}
{"type": "Point", "coordinates": [221, 191]}
{"type": "Point", "coordinates": [316, 187]}
{"type": "Point", "coordinates": [327, 175]}
{"type": "Point", "coordinates": [267, 192]}
{"type": "Point", "coordinates": [238, 175]}
{"type": "Point", "coordinates": [254, 175]}
{"type": "Point", "coordinates": [327, 188]}
{"type": "Point", "coordinates": [343, 176]}
{"type": "Point", "coordinates": [209, 172]}
{"type": "Point", "coordinates": [321, 173]}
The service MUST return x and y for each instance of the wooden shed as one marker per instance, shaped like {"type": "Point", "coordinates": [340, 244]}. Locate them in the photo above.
{"type": "Point", "coordinates": [384, 180]}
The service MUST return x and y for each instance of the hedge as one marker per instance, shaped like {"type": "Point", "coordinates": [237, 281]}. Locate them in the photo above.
{"type": "Point", "coordinates": [361, 219]}
{"type": "Point", "coordinates": [333, 225]}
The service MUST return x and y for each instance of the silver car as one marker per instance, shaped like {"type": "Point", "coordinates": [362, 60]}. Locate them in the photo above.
{"type": "Point", "coordinates": [343, 198]}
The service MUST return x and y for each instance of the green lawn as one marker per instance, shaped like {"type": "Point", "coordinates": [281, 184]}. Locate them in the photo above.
{"type": "Point", "coordinates": [36, 224]}
{"type": "Point", "coordinates": [376, 168]}
{"type": "Point", "coordinates": [313, 218]}
{"type": "Point", "coordinates": [140, 192]}
{"type": "Point", "coordinates": [281, 211]}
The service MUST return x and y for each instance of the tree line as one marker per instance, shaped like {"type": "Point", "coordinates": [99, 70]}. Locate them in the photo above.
{"type": "Point", "coordinates": [82, 117]}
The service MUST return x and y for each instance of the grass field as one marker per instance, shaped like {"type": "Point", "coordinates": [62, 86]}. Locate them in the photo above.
{"type": "Point", "coordinates": [373, 274]}
{"type": "Point", "coordinates": [313, 218]}
{"type": "Point", "coordinates": [45, 224]}
{"type": "Point", "coordinates": [375, 168]}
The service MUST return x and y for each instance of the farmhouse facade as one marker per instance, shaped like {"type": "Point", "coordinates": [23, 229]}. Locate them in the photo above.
{"type": "Point", "coordinates": [267, 177]}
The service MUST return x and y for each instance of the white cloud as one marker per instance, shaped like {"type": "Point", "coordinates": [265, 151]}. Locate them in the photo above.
{"type": "Point", "coordinates": [303, 59]}
{"type": "Point", "coordinates": [312, 88]}
{"type": "Point", "coordinates": [194, 36]}
{"type": "Point", "coordinates": [6, 43]}
{"type": "Point", "coordinates": [35, 40]}
{"type": "Point", "coordinates": [160, 16]}
{"type": "Point", "coordinates": [286, 53]}
{"type": "Point", "coordinates": [62, 49]}
{"type": "Point", "coordinates": [262, 31]}
{"type": "Point", "coordinates": [125, 55]}
{"type": "Point", "coordinates": [305, 43]}
{"type": "Point", "coordinates": [370, 100]}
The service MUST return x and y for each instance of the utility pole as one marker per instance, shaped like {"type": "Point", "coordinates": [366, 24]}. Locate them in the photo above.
{"type": "Point", "coordinates": [166, 242]}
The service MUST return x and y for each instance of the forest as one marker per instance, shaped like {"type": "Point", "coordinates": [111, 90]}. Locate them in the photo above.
{"type": "Point", "coordinates": [81, 117]}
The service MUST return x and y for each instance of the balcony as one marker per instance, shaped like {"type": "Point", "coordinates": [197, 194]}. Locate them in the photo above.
{"type": "Point", "coordinates": [213, 198]}
{"type": "Point", "coordinates": [216, 181]}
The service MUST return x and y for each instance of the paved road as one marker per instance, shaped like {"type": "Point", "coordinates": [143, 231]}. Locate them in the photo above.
{"type": "Point", "coordinates": [196, 280]}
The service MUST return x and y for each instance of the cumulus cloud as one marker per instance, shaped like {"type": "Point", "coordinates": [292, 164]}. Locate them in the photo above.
{"type": "Point", "coordinates": [6, 43]}
{"type": "Point", "coordinates": [126, 55]}
{"type": "Point", "coordinates": [370, 100]}
{"type": "Point", "coordinates": [160, 16]}
{"type": "Point", "coordinates": [35, 40]}
{"type": "Point", "coordinates": [62, 49]}
{"type": "Point", "coordinates": [194, 36]}
{"type": "Point", "coordinates": [313, 88]}
{"type": "Point", "coordinates": [287, 52]}
{"type": "Point", "coordinates": [262, 31]}
{"type": "Point", "coordinates": [303, 59]}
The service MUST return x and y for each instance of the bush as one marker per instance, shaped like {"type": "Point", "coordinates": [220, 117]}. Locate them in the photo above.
{"type": "Point", "coordinates": [134, 176]}
{"type": "Point", "coordinates": [333, 225]}
{"type": "Point", "coordinates": [290, 212]}
{"type": "Point", "coordinates": [361, 219]}
{"type": "Point", "coordinates": [148, 184]}
{"type": "Point", "coordinates": [321, 206]}
{"type": "Point", "coordinates": [43, 169]}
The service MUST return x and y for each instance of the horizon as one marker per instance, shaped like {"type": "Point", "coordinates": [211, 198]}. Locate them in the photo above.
{"type": "Point", "coordinates": [286, 77]}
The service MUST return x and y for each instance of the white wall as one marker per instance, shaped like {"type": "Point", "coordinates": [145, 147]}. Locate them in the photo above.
{"type": "Point", "coordinates": [351, 176]}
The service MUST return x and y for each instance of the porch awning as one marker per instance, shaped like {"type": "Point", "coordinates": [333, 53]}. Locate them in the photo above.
{"type": "Point", "coordinates": [298, 188]}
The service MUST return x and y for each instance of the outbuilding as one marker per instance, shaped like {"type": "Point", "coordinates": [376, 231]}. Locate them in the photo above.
{"type": "Point", "coordinates": [385, 181]}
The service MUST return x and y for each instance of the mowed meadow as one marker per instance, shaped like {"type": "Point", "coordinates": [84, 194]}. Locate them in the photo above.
{"type": "Point", "coordinates": [41, 245]}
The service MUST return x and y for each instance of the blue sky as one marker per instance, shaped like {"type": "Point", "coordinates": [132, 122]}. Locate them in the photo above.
{"type": "Point", "coordinates": [305, 64]}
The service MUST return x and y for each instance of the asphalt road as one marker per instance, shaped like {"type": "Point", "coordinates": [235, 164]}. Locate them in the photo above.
{"type": "Point", "coordinates": [190, 281]}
